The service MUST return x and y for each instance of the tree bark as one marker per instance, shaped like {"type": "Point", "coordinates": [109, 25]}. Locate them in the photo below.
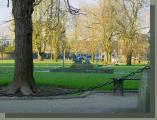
{"type": "Point", "coordinates": [93, 56]}
{"type": "Point", "coordinates": [40, 56]}
{"type": "Point", "coordinates": [105, 58]}
{"type": "Point", "coordinates": [108, 57]}
{"type": "Point", "coordinates": [128, 59]}
{"type": "Point", "coordinates": [56, 54]}
{"type": "Point", "coordinates": [23, 80]}
{"type": "Point", "coordinates": [2, 55]}
{"type": "Point", "coordinates": [51, 54]}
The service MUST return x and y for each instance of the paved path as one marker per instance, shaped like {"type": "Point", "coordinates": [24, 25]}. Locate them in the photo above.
{"type": "Point", "coordinates": [96, 103]}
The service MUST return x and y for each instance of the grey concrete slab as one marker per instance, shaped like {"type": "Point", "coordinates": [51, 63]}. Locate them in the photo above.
{"type": "Point", "coordinates": [94, 103]}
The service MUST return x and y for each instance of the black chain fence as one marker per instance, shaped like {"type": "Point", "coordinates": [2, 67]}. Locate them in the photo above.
{"type": "Point", "coordinates": [117, 83]}
{"type": "Point", "coordinates": [133, 73]}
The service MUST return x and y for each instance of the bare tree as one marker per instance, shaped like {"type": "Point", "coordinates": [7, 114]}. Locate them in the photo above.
{"type": "Point", "coordinates": [126, 25]}
{"type": "Point", "coordinates": [103, 14]}
{"type": "Point", "coordinates": [40, 37]}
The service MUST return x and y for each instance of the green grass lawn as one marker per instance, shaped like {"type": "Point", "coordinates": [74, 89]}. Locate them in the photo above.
{"type": "Point", "coordinates": [69, 80]}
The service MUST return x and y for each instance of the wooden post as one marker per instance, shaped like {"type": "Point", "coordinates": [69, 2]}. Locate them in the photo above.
{"type": "Point", "coordinates": [144, 93]}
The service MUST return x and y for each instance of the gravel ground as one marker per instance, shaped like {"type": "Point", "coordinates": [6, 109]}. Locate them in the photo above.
{"type": "Point", "coordinates": [93, 103]}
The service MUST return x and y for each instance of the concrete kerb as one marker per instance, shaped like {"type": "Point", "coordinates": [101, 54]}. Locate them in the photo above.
{"type": "Point", "coordinates": [85, 94]}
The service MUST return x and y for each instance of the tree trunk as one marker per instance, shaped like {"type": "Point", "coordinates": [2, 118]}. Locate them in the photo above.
{"type": "Point", "coordinates": [56, 54]}
{"type": "Point", "coordinates": [63, 58]}
{"type": "Point", "coordinates": [93, 56]}
{"type": "Point", "coordinates": [2, 55]}
{"type": "Point", "coordinates": [128, 59]}
{"type": "Point", "coordinates": [23, 80]}
{"type": "Point", "coordinates": [40, 56]}
{"type": "Point", "coordinates": [105, 58]}
{"type": "Point", "coordinates": [108, 57]}
{"type": "Point", "coordinates": [51, 56]}
{"type": "Point", "coordinates": [134, 59]}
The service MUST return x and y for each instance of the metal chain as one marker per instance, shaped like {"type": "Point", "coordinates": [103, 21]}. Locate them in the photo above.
{"type": "Point", "coordinates": [90, 88]}
{"type": "Point", "coordinates": [59, 94]}
{"type": "Point", "coordinates": [147, 67]}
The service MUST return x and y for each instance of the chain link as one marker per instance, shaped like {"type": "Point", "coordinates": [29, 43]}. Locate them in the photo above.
{"type": "Point", "coordinates": [135, 72]}
{"type": "Point", "coordinates": [90, 88]}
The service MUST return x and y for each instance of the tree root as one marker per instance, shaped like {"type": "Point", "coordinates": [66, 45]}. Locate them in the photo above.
{"type": "Point", "coordinates": [24, 89]}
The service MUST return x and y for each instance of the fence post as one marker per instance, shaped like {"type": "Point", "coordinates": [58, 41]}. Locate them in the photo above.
{"type": "Point", "coordinates": [144, 93]}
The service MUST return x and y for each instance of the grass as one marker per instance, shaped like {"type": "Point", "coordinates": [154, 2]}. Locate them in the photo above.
{"type": "Point", "coordinates": [69, 80]}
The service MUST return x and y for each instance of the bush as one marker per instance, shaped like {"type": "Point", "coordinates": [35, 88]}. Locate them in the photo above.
{"type": "Point", "coordinates": [9, 49]}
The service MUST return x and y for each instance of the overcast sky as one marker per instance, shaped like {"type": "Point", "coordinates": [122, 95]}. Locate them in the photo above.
{"type": "Point", "coordinates": [5, 14]}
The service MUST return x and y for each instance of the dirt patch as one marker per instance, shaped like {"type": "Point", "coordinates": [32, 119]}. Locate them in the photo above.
{"type": "Point", "coordinates": [44, 91]}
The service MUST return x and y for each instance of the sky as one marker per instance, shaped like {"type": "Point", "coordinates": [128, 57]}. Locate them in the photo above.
{"type": "Point", "coordinates": [5, 14]}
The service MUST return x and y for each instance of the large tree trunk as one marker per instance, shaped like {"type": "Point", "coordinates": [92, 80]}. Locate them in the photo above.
{"type": "Point", "coordinates": [23, 75]}
{"type": "Point", "coordinates": [128, 59]}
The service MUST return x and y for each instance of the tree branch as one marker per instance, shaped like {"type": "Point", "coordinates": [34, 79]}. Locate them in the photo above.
{"type": "Point", "coordinates": [37, 3]}
{"type": "Point", "coordinates": [8, 4]}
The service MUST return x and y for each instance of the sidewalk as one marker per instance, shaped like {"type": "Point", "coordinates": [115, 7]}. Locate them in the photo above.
{"type": "Point", "coordinates": [94, 103]}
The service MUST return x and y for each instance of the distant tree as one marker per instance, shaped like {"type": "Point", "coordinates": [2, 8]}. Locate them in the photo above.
{"type": "Point", "coordinates": [127, 26]}
{"type": "Point", "coordinates": [103, 15]}
{"type": "Point", "coordinates": [39, 40]}
{"type": "Point", "coordinates": [2, 49]}
{"type": "Point", "coordinates": [140, 49]}
{"type": "Point", "coordinates": [40, 20]}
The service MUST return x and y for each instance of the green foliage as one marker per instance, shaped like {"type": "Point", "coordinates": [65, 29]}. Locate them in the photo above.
{"type": "Point", "coordinates": [10, 49]}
